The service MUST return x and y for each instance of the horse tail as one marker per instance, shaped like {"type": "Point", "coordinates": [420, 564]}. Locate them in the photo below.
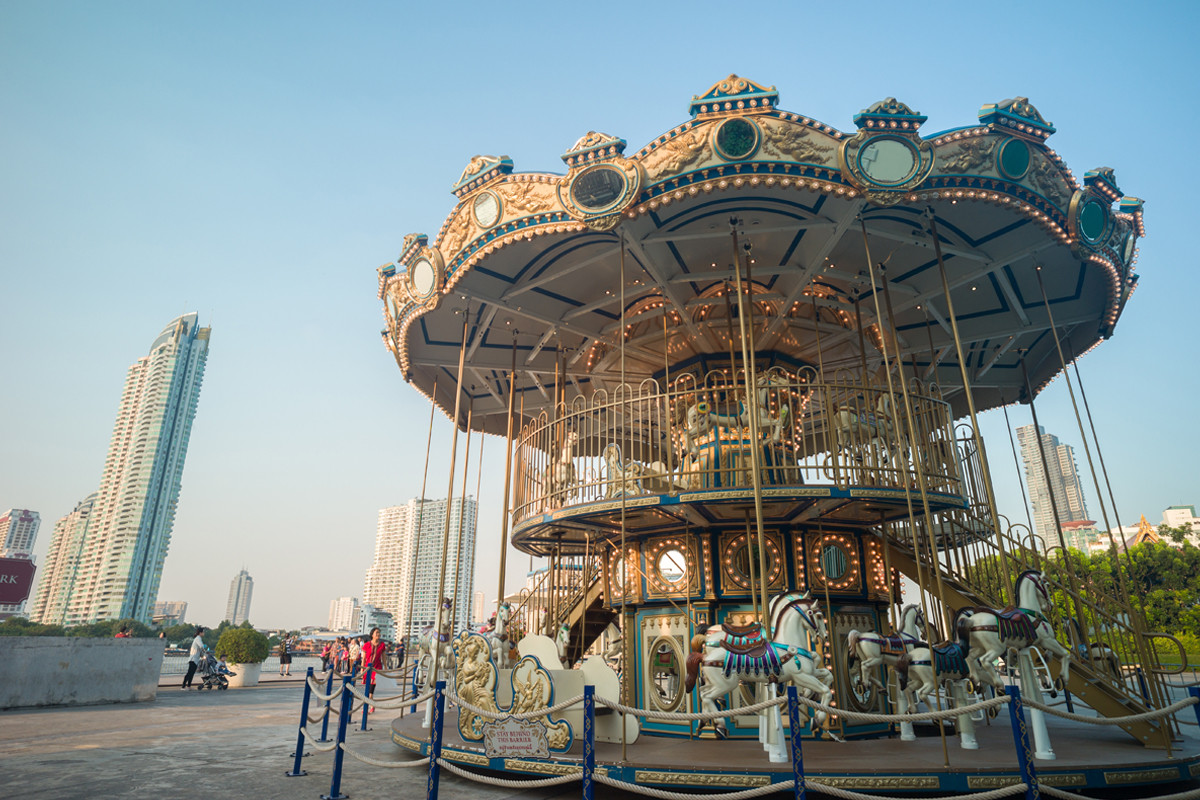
{"type": "Point", "coordinates": [901, 670]}
{"type": "Point", "coordinates": [852, 643]}
{"type": "Point", "coordinates": [697, 643]}
{"type": "Point", "coordinates": [693, 667]}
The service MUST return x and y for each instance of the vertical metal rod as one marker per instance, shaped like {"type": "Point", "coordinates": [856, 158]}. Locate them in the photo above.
{"type": "Point", "coordinates": [296, 771]}
{"type": "Point", "coordinates": [508, 458]}
{"type": "Point", "coordinates": [435, 741]}
{"type": "Point", "coordinates": [368, 685]}
{"type": "Point", "coordinates": [462, 512]}
{"type": "Point", "coordinates": [441, 594]}
{"type": "Point", "coordinates": [335, 784]}
{"type": "Point", "coordinates": [589, 740]}
{"type": "Point", "coordinates": [412, 584]}
{"type": "Point", "coordinates": [626, 694]}
{"type": "Point", "coordinates": [328, 695]}
{"type": "Point", "coordinates": [798, 790]}
{"type": "Point", "coordinates": [1016, 715]}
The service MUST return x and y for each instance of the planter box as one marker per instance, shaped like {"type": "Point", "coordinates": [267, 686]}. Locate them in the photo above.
{"type": "Point", "coordinates": [247, 675]}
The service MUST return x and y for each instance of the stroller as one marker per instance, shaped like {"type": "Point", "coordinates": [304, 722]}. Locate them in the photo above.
{"type": "Point", "coordinates": [212, 674]}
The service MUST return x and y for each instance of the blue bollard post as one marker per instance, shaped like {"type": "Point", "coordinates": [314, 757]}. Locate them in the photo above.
{"type": "Point", "coordinates": [413, 709]}
{"type": "Point", "coordinates": [299, 754]}
{"type": "Point", "coordinates": [435, 741]}
{"type": "Point", "coordinates": [797, 755]}
{"type": "Point", "coordinates": [1194, 691]}
{"type": "Point", "coordinates": [325, 722]}
{"type": "Point", "coordinates": [1016, 714]}
{"type": "Point", "coordinates": [589, 741]}
{"type": "Point", "coordinates": [335, 785]}
{"type": "Point", "coordinates": [367, 691]}
{"type": "Point", "coordinates": [1142, 683]}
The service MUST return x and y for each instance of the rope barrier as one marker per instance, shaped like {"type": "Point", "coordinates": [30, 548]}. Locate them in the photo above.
{"type": "Point", "coordinates": [382, 702]}
{"type": "Point", "coordinates": [375, 762]}
{"type": "Point", "coordinates": [1191, 794]}
{"type": "Point", "coordinates": [315, 719]}
{"type": "Point", "coordinates": [1162, 712]}
{"type": "Point", "coordinates": [663, 794]}
{"type": "Point", "coordinates": [994, 794]}
{"type": "Point", "coordinates": [316, 691]}
{"type": "Point", "coordinates": [315, 742]}
{"type": "Point", "coordinates": [488, 714]}
{"type": "Point", "coordinates": [510, 784]}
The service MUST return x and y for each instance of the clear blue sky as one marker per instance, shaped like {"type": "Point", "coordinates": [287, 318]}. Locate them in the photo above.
{"type": "Point", "coordinates": [255, 162]}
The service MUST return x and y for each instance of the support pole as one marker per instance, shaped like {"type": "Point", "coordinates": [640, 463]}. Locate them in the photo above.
{"type": "Point", "coordinates": [435, 741]}
{"type": "Point", "coordinates": [798, 791]}
{"type": "Point", "coordinates": [1021, 740]}
{"type": "Point", "coordinates": [406, 635]}
{"type": "Point", "coordinates": [368, 686]}
{"type": "Point", "coordinates": [589, 741]}
{"type": "Point", "coordinates": [296, 771]}
{"type": "Point", "coordinates": [325, 722]}
{"type": "Point", "coordinates": [508, 449]}
{"type": "Point", "coordinates": [335, 785]}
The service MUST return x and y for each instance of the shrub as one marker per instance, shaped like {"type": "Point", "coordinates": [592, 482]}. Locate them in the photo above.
{"type": "Point", "coordinates": [242, 646]}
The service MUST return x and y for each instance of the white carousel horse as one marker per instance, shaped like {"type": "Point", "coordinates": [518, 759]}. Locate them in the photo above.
{"type": "Point", "coordinates": [873, 649]}
{"type": "Point", "coordinates": [990, 633]}
{"type": "Point", "coordinates": [434, 642]}
{"type": "Point", "coordinates": [622, 478]}
{"type": "Point", "coordinates": [1099, 655]}
{"type": "Point", "coordinates": [560, 478]}
{"type": "Point", "coordinates": [851, 428]}
{"type": "Point", "coordinates": [498, 637]}
{"type": "Point", "coordinates": [563, 641]}
{"type": "Point", "coordinates": [701, 418]}
{"type": "Point", "coordinates": [732, 654]}
{"type": "Point", "coordinates": [918, 673]}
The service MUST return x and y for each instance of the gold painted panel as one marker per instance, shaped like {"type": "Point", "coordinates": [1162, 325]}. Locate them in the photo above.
{"type": "Point", "coordinates": [464, 757]}
{"type": "Point", "coordinates": [883, 782]}
{"type": "Point", "coordinates": [698, 778]}
{"type": "Point", "coordinates": [405, 742]}
{"type": "Point", "coordinates": [1141, 776]}
{"type": "Point", "coordinates": [1065, 779]}
{"type": "Point", "coordinates": [991, 781]}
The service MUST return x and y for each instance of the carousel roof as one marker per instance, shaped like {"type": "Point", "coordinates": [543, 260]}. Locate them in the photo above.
{"type": "Point", "coordinates": [535, 259]}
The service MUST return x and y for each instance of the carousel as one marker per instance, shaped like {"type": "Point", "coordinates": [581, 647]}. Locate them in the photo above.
{"type": "Point", "coordinates": [738, 374]}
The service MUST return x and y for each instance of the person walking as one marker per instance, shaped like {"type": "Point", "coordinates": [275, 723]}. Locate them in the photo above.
{"type": "Point", "coordinates": [194, 655]}
{"type": "Point", "coordinates": [372, 658]}
{"type": "Point", "coordinates": [285, 657]}
{"type": "Point", "coordinates": [353, 654]}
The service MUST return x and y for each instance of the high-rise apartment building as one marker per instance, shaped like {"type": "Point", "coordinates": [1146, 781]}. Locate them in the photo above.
{"type": "Point", "coordinates": [408, 556]}
{"type": "Point", "coordinates": [169, 612]}
{"type": "Point", "coordinates": [117, 567]}
{"type": "Point", "coordinates": [57, 583]}
{"type": "Point", "coordinates": [18, 530]}
{"type": "Point", "coordinates": [343, 614]}
{"type": "Point", "coordinates": [1059, 479]}
{"type": "Point", "coordinates": [237, 609]}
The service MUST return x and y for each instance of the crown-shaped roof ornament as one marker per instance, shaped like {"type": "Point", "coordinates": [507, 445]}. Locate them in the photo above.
{"type": "Point", "coordinates": [412, 243]}
{"type": "Point", "coordinates": [1018, 117]}
{"type": "Point", "coordinates": [594, 147]}
{"type": "Point", "coordinates": [1103, 181]}
{"type": "Point", "coordinates": [734, 94]}
{"type": "Point", "coordinates": [889, 114]}
{"type": "Point", "coordinates": [481, 170]}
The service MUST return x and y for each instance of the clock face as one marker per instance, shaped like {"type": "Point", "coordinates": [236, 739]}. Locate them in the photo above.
{"type": "Point", "coordinates": [888, 161]}
{"type": "Point", "coordinates": [1014, 159]}
{"type": "Point", "coordinates": [598, 188]}
{"type": "Point", "coordinates": [487, 209]}
{"type": "Point", "coordinates": [423, 277]}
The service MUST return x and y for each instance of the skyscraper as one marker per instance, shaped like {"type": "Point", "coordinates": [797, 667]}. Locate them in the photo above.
{"type": "Point", "coordinates": [237, 610]}
{"type": "Point", "coordinates": [18, 529]}
{"type": "Point", "coordinates": [1063, 482]}
{"type": "Point", "coordinates": [62, 562]}
{"type": "Point", "coordinates": [116, 559]}
{"type": "Point", "coordinates": [404, 568]}
{"type": "Point", "coordinates": [343, 614]}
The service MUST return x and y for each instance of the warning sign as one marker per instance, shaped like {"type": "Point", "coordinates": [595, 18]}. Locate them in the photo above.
{"type": "Point", "coordinates": [510, 737]}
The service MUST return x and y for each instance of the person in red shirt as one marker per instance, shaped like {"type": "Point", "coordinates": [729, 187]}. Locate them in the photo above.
{"type": "Point", "coordinates": [372, 659]}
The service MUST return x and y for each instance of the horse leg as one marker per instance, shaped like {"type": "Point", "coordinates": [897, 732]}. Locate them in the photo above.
{"type": "Point", "coordinates": [811, 686]}
{"type": "Point", "coordinates": [715, 684]}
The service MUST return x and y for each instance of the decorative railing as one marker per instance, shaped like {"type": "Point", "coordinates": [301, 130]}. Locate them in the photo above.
{"type": "Point", "coordinates": [696, 434]}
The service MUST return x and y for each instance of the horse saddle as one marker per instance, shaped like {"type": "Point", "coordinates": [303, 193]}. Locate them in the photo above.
{"type": "Point", "coordinates": [950, 658]}
{"type": "Point", "coordinates": [1011, 623]}
{"type": "Point", "coordinates": [746, 640]}
{"type": "Point", "coordinates": [896, 644]}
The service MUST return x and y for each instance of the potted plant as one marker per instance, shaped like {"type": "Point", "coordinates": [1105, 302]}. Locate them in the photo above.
{"type": "Point", "coordinates": [244, 650]}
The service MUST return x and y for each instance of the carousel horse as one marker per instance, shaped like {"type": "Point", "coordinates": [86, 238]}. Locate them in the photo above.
{"type": "Point", "coordinates": [733, 654]}
{"type": "Point", "coordinates": [701, 418]}
{"type": "Point", "coordinates": [852, 428]}
{"type": "Point", "coordinates": [560, 478]}
{"type": "Point", "coordinates": [503, 648]}
{"type": "Point", "coordinates": [988, 633]}
{"type": "Point", "coordinates": [1099, 655]}
{"type": "Point", "coordinates": [918, 673]}
{"type": "Point", "coordinates": [622, 478]}
{"type": "Point", "coordinates": [873, 649]}
{"type": "Point", "coordinates": [563, 642]}
{"type": "Point", "coordinates": [434, 643]}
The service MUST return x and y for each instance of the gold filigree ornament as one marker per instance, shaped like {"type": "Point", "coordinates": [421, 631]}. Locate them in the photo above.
{"type": "Point", "coordinates": [533, 689]}
{"type": "Point", "coordinates": [887, 157]}
{"type": "Point", "coordinates": [426, 275]}
{"type": "Point", "coordinates": [598, 193]}
{"type": "Point", "coordinates": [675, 155]}
{"type": "Point", "coordinates": [794, 141]}
{"type": "Point", "coordinates": [972, 155]}
{"type": "Point", "coordinates": [475, 682]}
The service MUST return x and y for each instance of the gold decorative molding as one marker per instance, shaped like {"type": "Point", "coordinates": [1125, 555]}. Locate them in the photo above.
{"type": "Point", "coordinates": [992, 781]}
{"type": "Point", "coordinates": [972, 154]}
{"type": "Point", "coordinates": [1141, 776]}
{"type": "Point", "coordinates": [698, 778]}
{"type": "Point", "coordinates": [1064, 779]}
{"type": "Point", "coordinates": [790, 140]}
{"type": "Point", "coordinates": [547, 768]}
{"type": "Point", "coordinates": [463, 757]}
{"type": "Point", "coordinates": [674, 155]}
{"type": "Point", "coordinates": [406, 743]}
{"type": "Point", "coordinates": [883, 782]}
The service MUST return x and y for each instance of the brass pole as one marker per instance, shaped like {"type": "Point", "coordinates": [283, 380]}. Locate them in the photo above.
{"type": "Point", "coordinates": [751, 380]}
{"type": "Point", "coordinates": [508, 457]}
{"type": "Point", "coordinates": [625, 689]}
{"type": "Point", "coordinates": [462, 509]}
{"type": "Point", "coordinates": [462, 354]}
{"type": "Point", "coordinates": [412, 585]}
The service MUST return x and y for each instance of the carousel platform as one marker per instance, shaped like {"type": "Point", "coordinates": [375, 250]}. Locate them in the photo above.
{"type": "Point", "coordinates": [1088, 758]}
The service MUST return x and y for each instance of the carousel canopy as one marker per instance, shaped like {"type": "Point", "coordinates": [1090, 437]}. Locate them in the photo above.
{"type": "Point", "coordinates": [535, 260]}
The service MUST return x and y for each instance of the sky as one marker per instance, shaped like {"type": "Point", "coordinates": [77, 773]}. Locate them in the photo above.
{"type": "Point", "coordinates": [256, 162]}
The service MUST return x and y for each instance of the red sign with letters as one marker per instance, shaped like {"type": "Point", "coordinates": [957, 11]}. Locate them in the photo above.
{"type": "Point", "coordinates": [16, 579]}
